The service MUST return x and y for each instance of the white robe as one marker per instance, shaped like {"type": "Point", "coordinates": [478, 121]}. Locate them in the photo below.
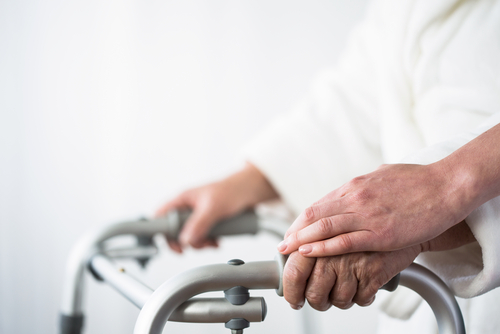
{"type": "Point", "coordinates": [418, 80]}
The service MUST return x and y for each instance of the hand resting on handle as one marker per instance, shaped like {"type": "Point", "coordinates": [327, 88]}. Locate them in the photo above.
{"type": "Point", "coordinates": [215, 201]}
{"type": "Point", "coordinates": [344, 280]}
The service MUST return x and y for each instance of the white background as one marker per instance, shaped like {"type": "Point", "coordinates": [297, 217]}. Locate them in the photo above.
{"type": "Point", "coordinates": [108, 108]}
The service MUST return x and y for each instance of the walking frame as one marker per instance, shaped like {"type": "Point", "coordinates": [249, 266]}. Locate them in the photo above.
{"type": "Point", "coordinates": [173, 300]}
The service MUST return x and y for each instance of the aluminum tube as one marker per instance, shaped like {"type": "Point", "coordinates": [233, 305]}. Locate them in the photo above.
{"type": "Point", "coordinates": [89, 245]}
{"type": "Point", "coordinates": [219, 310]}
{"type": "Point", "coordinates": [437, 294]}
{"type": "Point", "coordinates": [131, 252]}
{"type": "Point", "coordinates": [135, 291]}
{"type": "Point", "coordinates": [178, 289]}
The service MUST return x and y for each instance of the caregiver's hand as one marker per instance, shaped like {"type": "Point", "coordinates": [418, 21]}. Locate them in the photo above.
{"type": "Point", "coordinates": [215, 201]}
{"type": "Point", "coordinates": [394, 207]}
{"type": "Point", "coordinates": [398, 206]}
{"type": "Point", "coordinates": [343, 280]}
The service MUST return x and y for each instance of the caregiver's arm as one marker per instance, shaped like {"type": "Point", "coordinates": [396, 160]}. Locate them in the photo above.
{"type": "Point", "coordinates": [398, 206]}
{"type": "Point", "coordinates": [216, 201]}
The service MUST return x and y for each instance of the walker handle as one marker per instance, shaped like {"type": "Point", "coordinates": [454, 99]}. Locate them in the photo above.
{"type": "Point", "coordinates": [243, 223]}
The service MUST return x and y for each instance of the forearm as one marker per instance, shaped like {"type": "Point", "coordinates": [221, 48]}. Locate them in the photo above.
{"type": "Point", "coordinates": [474, 169]}
{"type": "Point", "coordinates": [253, 186]}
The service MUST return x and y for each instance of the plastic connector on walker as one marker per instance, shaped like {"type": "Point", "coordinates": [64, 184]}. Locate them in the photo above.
{"type": "Point", "coordinates": [71, 324]}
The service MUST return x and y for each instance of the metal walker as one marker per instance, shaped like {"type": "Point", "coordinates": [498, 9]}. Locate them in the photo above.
{"type": "Point", "coordinates": [173, 301]}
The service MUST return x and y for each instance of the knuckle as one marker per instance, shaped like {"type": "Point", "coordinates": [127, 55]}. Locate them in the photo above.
{"type": "Point", "coordinates": [357, 180]}
{"type": "Point", "coordinates": [342, 304]}
{"type": "Point", "coordinates": [311, 213]}
{"type": "Point", "coordinates": [365, 296]}
{"type": "Point", "coordinates": [342, 299]}
{"type": "Point", "coordinates": [346, 243]}
{"type": "Point", "coordinates": [320, 248]}
{"type": "Point", "coordinates": [324, 226]}
{"type": "Point", "coordinates": [365, 301]}
{"type": "Point", "coordinates": [361, 196]}
{"type": "Point", "coordinates": [294, 239]}
{"type": "Point", "coordinates": [317, 301]}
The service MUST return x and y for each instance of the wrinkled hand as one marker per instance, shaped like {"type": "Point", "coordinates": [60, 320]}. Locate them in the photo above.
{"type": "Point", "coordinates": [341, 280]}
{"type": "Point", "coordinates": [215, 201]}
{"type": "Point", "coordinates": [394, 207]}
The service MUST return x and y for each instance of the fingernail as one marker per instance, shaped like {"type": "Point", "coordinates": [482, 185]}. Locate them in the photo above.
{"type": "Point", "coordinates": [306, 249]}
{"type": "Point", "coordinates": [282, 246]}
{"type": "Point", "coordinates": [296, 307]}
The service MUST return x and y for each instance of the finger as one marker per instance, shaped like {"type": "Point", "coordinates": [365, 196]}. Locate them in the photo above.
{"type": "Point", "coordinates": [367, 288]}
{"type": "Point", "coordinates": [324, 228]}
{"type": "Point", "coordinates": [358, 241]}
{"type": "Point", "coordinates": [320, 284]}
{"type": "Point", "coordinates": [196, 228]}
{"type": "Point", "coordinates": [174, 245]}
{"type": "Point", "coordinates": [344, 289]}
{"type": "Point", "coordinates": [207, 243]}
{"type": "Point", "coordinates": [180, 202]}
{"type": "Point", "coordinates": [295, 275]}
{"type": "Point", "coordinates": [364, 303]}
{"type": "Point", "coordinates": [316, 212]}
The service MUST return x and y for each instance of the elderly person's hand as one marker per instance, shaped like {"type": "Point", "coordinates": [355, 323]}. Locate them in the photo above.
{"type": "Point", "coordinates": [215, 201]}
{"type": "Point", "coordinates": [343, 280]}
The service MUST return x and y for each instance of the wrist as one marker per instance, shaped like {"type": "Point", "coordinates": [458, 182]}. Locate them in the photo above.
{"type": "Point", "coordinates": [251, 186]}
{"type": "Point", "coordinates": [456, 236]}
{"type": "Point", "coordinates": [475, 169]}
{"type": "Point", "coordinates": [459, 188]}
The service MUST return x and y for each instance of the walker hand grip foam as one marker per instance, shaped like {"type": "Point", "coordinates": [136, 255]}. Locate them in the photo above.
{"type": "Point", "coordinates": [243, 223]}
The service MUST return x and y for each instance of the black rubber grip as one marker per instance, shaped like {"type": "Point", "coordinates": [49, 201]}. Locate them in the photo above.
{"type": "Point", "coordinates": [392, 284]}
{"type": "Point", "coordinates": [70, 324]}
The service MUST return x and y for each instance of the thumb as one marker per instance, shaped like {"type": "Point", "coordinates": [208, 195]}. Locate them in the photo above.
{"type": "Point", "coordinates": [178, 202]}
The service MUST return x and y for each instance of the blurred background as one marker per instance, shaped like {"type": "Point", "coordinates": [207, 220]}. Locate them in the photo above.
{"type": "Point", "coordinates": [108, 108]}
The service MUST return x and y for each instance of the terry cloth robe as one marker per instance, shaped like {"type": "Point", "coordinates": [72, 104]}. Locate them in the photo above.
{"type": "Point", "coordinates": [418, 80]}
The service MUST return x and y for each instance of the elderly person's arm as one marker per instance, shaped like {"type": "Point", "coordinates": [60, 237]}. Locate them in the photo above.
{"type": "Point", "coordinates": [399, 206]}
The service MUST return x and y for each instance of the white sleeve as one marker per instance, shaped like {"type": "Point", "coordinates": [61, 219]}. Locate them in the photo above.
{"type": "Point", "coordinates": [473, 269]}
{"type": "Point", "coordinates": [331, 136]}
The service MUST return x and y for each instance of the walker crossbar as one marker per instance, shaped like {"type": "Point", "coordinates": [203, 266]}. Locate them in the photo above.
{"type": "Point", "coordinates": [173, 301]}
{"type": "Point", "coordinates": [202, 310]}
